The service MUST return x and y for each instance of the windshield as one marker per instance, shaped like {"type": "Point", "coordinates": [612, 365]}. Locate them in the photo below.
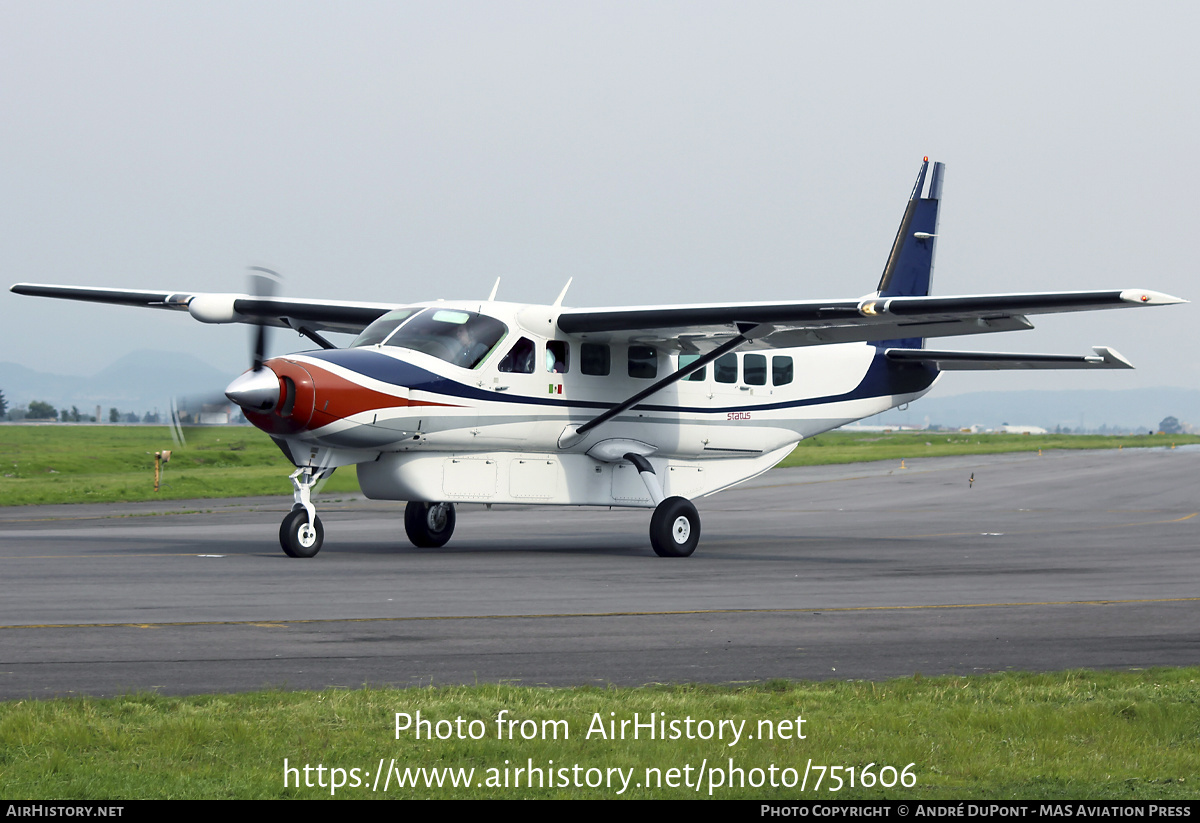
{"type": "Point", "coordinates": [460, 337]}
{"type": "Point", "coordinates": [382, 327]}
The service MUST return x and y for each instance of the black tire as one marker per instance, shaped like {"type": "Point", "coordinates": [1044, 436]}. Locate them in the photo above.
{"type": "Point", "coordinates": [295, 537]}
{"type": "Point", "coordinates": [675, 528]}
{"type": "Point", "coordinates": [429, 525]}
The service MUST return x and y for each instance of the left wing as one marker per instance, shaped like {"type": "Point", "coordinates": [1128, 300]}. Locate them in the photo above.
{"type": "Point", "coordinates": [821, 322]}
{"type": "Point", "coordinates": [207, 307]}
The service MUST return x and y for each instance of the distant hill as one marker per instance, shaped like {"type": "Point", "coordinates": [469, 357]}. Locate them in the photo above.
{"type": "Point", "coordinates": [1089, 409]}
{"type": "Point", "coordinates": [140, 381]}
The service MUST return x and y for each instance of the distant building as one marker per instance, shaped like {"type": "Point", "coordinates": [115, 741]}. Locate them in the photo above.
{"type": "Point", "coordinates": [214, 414]}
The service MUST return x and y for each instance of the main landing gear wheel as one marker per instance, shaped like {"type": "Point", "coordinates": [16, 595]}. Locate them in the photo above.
{"type": "Point", "coordinates": [429, 525]}
{"type": "Point", "coordinates": [675, 528]}
{"type": "Point", "coordinates": [297, 537]}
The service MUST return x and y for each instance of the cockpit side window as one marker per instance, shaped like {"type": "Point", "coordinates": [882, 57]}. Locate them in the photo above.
{"type": "Point", "coordinates": [463, 338]}
{"type": "Point", "coordinates": [520, 357]}
{"type": "Point", "coordinates": [384, 325]}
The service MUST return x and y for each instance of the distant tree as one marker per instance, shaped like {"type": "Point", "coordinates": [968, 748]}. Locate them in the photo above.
{"type": "Point", "coordinates": [41, 410]}
{"type": "Point", "coordinates": [72, 416]}
{"type": "Point", "coordinates": [150, 417]}
{"type": "Point", "coordinates": [114, 416]}
{"type": "Point", "coordinates": [1170, 425]}
{"type": "Point", "coordinates": [3, 405]}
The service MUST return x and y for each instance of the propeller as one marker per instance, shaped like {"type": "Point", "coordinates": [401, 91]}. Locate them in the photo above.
{"type": "Point", "coordinates": [258, 389]}
{"type": "Point", "coordinates": [262, 285]}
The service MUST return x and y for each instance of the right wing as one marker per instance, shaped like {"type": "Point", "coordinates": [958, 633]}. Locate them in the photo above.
{"type": "Point", "coordinates": [703, 327]}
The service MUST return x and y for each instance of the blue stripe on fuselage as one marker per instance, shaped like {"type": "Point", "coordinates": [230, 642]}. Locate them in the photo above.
{"type": "Point", "coordinates": [883, 378]}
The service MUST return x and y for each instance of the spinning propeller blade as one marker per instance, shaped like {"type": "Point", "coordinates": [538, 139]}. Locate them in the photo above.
{"type": "Point", "coordinates": [263, 284]}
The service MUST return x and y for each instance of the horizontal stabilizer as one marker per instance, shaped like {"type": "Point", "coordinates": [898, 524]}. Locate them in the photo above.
{"type": "Point", "coordinates": [1104, 358]}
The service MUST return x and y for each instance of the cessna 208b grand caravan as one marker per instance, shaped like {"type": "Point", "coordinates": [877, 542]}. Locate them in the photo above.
{"type": "Point", "coordinates": [489, 402]}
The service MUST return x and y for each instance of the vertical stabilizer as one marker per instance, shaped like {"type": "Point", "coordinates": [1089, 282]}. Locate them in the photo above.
{"type": "Point", "coordinates": [909, 269]}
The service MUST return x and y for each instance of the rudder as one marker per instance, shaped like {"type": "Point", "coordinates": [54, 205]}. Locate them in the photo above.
{"type": "Point", "coordinates": [909, 269]}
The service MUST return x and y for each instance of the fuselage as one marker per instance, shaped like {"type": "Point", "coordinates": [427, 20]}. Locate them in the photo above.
{"type": "Point", "coordinates": [471, 401]}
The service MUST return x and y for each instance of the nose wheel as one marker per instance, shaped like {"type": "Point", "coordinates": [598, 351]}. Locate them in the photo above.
{"type": "Point", "coordinates": [301, 533]}
{"type": "Point", "coordinates": [298, 537]}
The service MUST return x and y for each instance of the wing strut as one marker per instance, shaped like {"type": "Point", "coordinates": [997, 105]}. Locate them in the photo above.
{"type": "Point", "coordinates": [310, 334]}
{"type": "Point", "coordinates": [746, 333]}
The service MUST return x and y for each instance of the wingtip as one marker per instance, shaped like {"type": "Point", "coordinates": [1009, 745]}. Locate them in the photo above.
{"type": "Point", "coordinates": [1143, 297]}
{"type": "Point", "coordinates": [1112, 358]}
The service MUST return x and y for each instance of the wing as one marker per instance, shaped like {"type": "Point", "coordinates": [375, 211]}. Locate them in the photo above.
{"type": "Point", "coordinates": [208, 307]}
{"type": "Point", "coordinates": [1104, 358]}
{"type": "Point", "coordinates": [821, 322]}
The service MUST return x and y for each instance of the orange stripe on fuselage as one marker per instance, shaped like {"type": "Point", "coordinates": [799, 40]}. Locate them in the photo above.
{"type": "Point", "coordinates": [321, 397]}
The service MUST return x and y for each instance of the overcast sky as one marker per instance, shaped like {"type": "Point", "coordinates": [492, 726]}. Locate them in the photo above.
{"type": "Point", "coordinates": [656, 152]}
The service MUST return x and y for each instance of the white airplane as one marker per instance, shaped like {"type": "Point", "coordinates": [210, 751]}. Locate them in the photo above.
{"type": "Point", "coordinates": [479, 401]}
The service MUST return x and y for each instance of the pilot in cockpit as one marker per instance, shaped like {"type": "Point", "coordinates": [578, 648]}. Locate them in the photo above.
{"type": "Point", "coordinates": [471, 350]}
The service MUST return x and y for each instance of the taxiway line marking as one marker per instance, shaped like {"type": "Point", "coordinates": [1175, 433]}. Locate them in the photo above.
{"type": "Point", "coordinates": [279, 624]}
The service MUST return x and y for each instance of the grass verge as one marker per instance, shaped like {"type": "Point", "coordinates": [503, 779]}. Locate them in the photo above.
{"type": "Point", "coordinates": [860, 447]}
{"type": "Point", "coordinates": [108, 464]}
{"type": "Point", "coordinates": [1073, 735]}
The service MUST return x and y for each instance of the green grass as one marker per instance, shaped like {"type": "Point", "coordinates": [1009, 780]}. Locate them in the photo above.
{"type": "Point", "coordinates": [858, 447]}
{"type": "Point", "coordinates": [1130, 735]}
{"type": "Point", "coordinates": [1075, 735]}
{"type": "Point", "coordinates": [106, 464]}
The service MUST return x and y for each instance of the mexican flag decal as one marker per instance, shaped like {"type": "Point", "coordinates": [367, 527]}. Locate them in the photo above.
{"type": "Point", "coordinates": [556, 388]}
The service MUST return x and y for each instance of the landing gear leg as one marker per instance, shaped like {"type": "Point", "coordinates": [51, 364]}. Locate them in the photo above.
{"type": "Point", "coordinates": [429, 525]}
{"type": "Point", "coordinates": [301, 533]}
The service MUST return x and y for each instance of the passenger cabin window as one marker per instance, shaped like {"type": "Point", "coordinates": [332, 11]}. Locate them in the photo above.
{"type": "Point", "coordinates": [643, 361]}
{"type": "Point", "coordinates": [463, 338]}
{"type": "Point", "coordinates": [754, 370]}
{"type": "Point", "coordinates": [687, 359]}
{"type": "Point", "coordinates": [378, 331]}
{"type": "Point", "coordinates": [558, 356]}
{"type": "Point", "coordinates": [520, 357]}
{"type": "Point", "coordinates": [725, 368]}
{"type": "Point", "coordinates": [595, 359]}
{"type": "Point", "coordinates": [781, 370]}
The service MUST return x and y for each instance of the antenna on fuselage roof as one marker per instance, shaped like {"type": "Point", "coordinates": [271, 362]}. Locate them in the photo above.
{"type": "Point", "coordinates": [558, 300]}
{"type": "Point", "coordinates": [495, 288]}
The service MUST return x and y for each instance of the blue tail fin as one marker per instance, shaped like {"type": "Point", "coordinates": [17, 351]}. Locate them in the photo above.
{"type": "Point", "coordinates": [909, 269]}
